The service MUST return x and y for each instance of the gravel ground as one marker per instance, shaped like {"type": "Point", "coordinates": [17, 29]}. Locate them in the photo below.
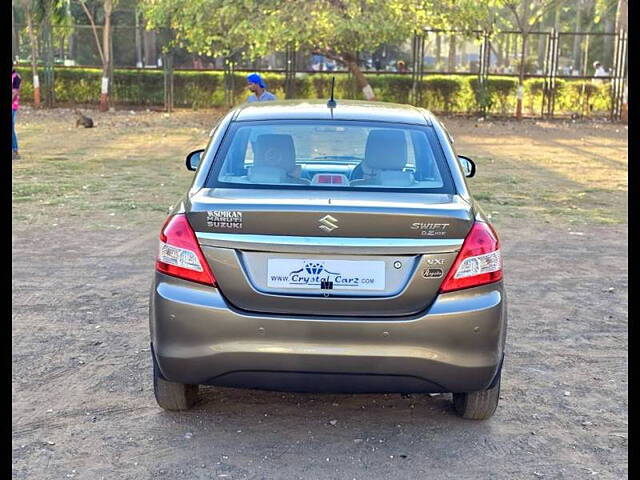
{"type": "Point", "coordinates": [83, 402]}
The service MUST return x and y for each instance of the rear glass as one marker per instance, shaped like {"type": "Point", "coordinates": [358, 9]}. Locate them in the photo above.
{"type": "Point", "coordinates": [337, 155]}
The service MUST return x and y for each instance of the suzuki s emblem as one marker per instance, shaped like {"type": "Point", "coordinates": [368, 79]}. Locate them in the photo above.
{"type": "Point", "coordinates": [328, 223]}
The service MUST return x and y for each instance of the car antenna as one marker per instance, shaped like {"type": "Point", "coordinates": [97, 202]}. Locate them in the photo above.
{"type": "Point", "coordinates": [332, 103]}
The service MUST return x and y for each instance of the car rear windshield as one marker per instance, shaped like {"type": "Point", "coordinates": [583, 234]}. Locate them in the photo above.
{"type": "Point", "coordinates": [331, 154]}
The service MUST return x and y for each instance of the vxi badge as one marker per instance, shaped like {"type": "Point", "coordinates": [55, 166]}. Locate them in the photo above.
{"type": "Point", "coordinates": [328, 223]}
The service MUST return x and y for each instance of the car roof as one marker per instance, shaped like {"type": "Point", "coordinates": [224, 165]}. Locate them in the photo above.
{"type": "Point", "coordinates": [344, 110]}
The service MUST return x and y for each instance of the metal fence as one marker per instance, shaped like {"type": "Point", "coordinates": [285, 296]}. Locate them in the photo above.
{"type": "Point", "coordinates": [549, 56]}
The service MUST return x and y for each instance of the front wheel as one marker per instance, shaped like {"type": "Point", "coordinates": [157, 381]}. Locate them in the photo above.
{"type": "Point", "coordinates": [172, 395]}
{"type": "Point", "coordinates": [478, 405]}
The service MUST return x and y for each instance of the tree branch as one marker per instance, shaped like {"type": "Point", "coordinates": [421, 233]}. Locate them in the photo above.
{"type": "Point", "coordinates": [93, 27]}
{"type": "Point", "coordinates": [331, 54]}
{"type": "Point", "coordinates": [514, 9]}
{"type": "Point", "coordinates": [545, 8]}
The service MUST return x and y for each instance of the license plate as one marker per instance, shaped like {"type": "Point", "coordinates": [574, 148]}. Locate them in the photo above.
{"type": "Point", "coordinates": [334, 274]}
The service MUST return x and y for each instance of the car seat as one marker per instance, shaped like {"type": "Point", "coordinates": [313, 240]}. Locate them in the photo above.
{"type": "Point", "coordinates": [274, 160]}
{"type": "Point", "coordinates": [385, 157]}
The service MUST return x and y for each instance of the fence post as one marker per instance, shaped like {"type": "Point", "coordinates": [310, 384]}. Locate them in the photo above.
{"type": "Point", "coordinates": [550, 73]}
{"type": "Point", "coordinates": [619, 78]}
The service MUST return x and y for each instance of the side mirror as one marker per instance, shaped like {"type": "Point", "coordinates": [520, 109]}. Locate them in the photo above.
{"type": "Point", "coordinates": [468, 166]}
{"type": "Point", "coordinates": [193, 159]}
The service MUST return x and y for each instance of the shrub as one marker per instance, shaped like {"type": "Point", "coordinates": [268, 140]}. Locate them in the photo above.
{"type": "Point", "coordinates": [391, 87]}
{"type": "Point", "coordinates": [533, 89]}
{"type": "Point", "coordinates": [441, 92]}
{"type": "Point", "coordinates": [499, 91]}
{"type": "Point", "coordinates": [586, 97]}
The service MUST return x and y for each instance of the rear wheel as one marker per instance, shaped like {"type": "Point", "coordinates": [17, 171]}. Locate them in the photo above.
{"type": "Point", "coordinates": [173, 395]}
{"type": "Point", "coordinates": [478, 405]}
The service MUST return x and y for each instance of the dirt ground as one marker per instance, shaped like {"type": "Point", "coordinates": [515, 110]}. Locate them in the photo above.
{"type": "Point", "coordinates": [83, 403]}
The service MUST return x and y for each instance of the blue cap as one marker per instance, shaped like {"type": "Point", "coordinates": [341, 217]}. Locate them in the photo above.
{"type": "Point", "coordinates": [255, 78]}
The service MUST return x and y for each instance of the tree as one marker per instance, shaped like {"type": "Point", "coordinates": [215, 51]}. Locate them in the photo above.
{"type": "Point", "coordinates": [14, 36]}
{"type": "Point", "coordinates": [526, 14]}
{"type": "Point", "coordinates": [41, 12]}
{"type": "Point", "coordinates": [28, 10]}
{"type": "Point", "coordinates": [104, 50]}
{"type": "Point", "coordinates": [336, 29]}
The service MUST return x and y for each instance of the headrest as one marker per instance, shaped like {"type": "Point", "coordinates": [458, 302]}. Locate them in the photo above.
{"type": "Point", "coordinates": [277, 151]}
{"type": "Point", "coordinates": [385, 150]}
{"type": "Point", "coordinates": [267, 175]}
{"type": "Point", "coordinates": [394, 178]}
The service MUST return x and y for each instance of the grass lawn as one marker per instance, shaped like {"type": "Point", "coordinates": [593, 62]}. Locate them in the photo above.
{"type": "Point", "coordinates": [129, 169]}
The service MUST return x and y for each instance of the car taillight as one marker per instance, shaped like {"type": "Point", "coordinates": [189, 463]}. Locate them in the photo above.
{"type": "Point", "coordinates": [479, 261]}
{"type": "Point", "coordinates": [180, 255]}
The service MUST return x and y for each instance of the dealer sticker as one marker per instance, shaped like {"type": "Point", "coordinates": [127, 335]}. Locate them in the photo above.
{"type": "Point", "coordinates": [340, 274]}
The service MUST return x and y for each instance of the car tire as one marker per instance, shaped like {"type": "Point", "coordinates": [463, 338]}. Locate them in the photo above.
{"type": "Point", "coordinates": [173, 396]}
{"type": "Point", "coordinates": [478, 405]}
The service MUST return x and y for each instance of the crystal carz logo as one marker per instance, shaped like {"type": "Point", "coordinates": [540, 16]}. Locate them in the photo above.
{"type": "Point", "coordinates": [342, 274]}
{"type": "Point", "coordinates": [229, 219]}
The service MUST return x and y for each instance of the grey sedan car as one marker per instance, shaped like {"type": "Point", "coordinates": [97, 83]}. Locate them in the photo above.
{"type": "Point", "coordinates": [329, 249]}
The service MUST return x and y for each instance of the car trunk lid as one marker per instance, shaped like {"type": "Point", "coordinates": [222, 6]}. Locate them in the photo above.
{"type": "Point", "coordinates": [328, 252]}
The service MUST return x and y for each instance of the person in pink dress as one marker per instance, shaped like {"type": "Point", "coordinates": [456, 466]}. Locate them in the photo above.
{"type": "Point", "coordinates": [16, 80]}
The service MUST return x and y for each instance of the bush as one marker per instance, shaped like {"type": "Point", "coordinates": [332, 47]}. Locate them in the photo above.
{"type": "Point", "coordinates": [586, 97]}
{"type": "Point", "coordinates": [533, 89]}
{"type": "Point", "coordinates": [499, 91]}
{"type": "Point", "coordinates": [440, 93]}
{"type": "Point", "coordinates": [391, 88]}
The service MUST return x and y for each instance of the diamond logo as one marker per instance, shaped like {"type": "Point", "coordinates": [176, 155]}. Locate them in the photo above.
{"type": "Point", "coordinates": [328, 223]}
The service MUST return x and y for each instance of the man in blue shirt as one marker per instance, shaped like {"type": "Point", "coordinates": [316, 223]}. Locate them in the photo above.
{"type": "Point", "coordinates": [258, 87]}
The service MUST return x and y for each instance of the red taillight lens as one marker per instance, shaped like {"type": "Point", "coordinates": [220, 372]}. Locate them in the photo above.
{"type": "Point", "coordinates": [479, 261]}
{"type": "Point", "coordinates": [180, 255]}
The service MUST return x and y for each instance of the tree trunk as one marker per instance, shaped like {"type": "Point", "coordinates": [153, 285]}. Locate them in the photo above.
{"type": "Point", "coordinates": [361, 80]}
{"type": "Point", "coordinates": [463, 53]}
{"type": "Point", "coordinates": [507, 49]}
{"type": "Point", "coordinates": [622, 15]}
{"type": "Point", "coordinates": [150, 57]}
{"type": "Point", "coordinates": [350, 61]}
{"type": "Point", "coordinates": [106, 51]}
{"type": "Point", "coordinates": [520, 93]}
{"type": "Point", "coordinates": [541, 45]}
{"type": "Point", "coordinates": [499, 52]}
{"type": "Point", "coordinates": [14, 37]}
{"type": "Point", "coordinates": [577, 39]}
{"type": "Point", "coordinates": [139, 63]}
{"type": "Point", "coordinates": [72, 46]}
{"type": "Point", "coordinates": [523, 58]}
{"type": "Point", "coordinates": [452, 54]}
{"type": "Point", "coordinates": [438, 50]}
{"type": "Point", "coordinates": [607, 57]}
{"type": "Point", "coordinates": [34, 59]}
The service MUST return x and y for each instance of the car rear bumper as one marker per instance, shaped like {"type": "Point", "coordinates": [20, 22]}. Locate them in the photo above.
{"type": "Point", "coordinates": [455, 346]}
